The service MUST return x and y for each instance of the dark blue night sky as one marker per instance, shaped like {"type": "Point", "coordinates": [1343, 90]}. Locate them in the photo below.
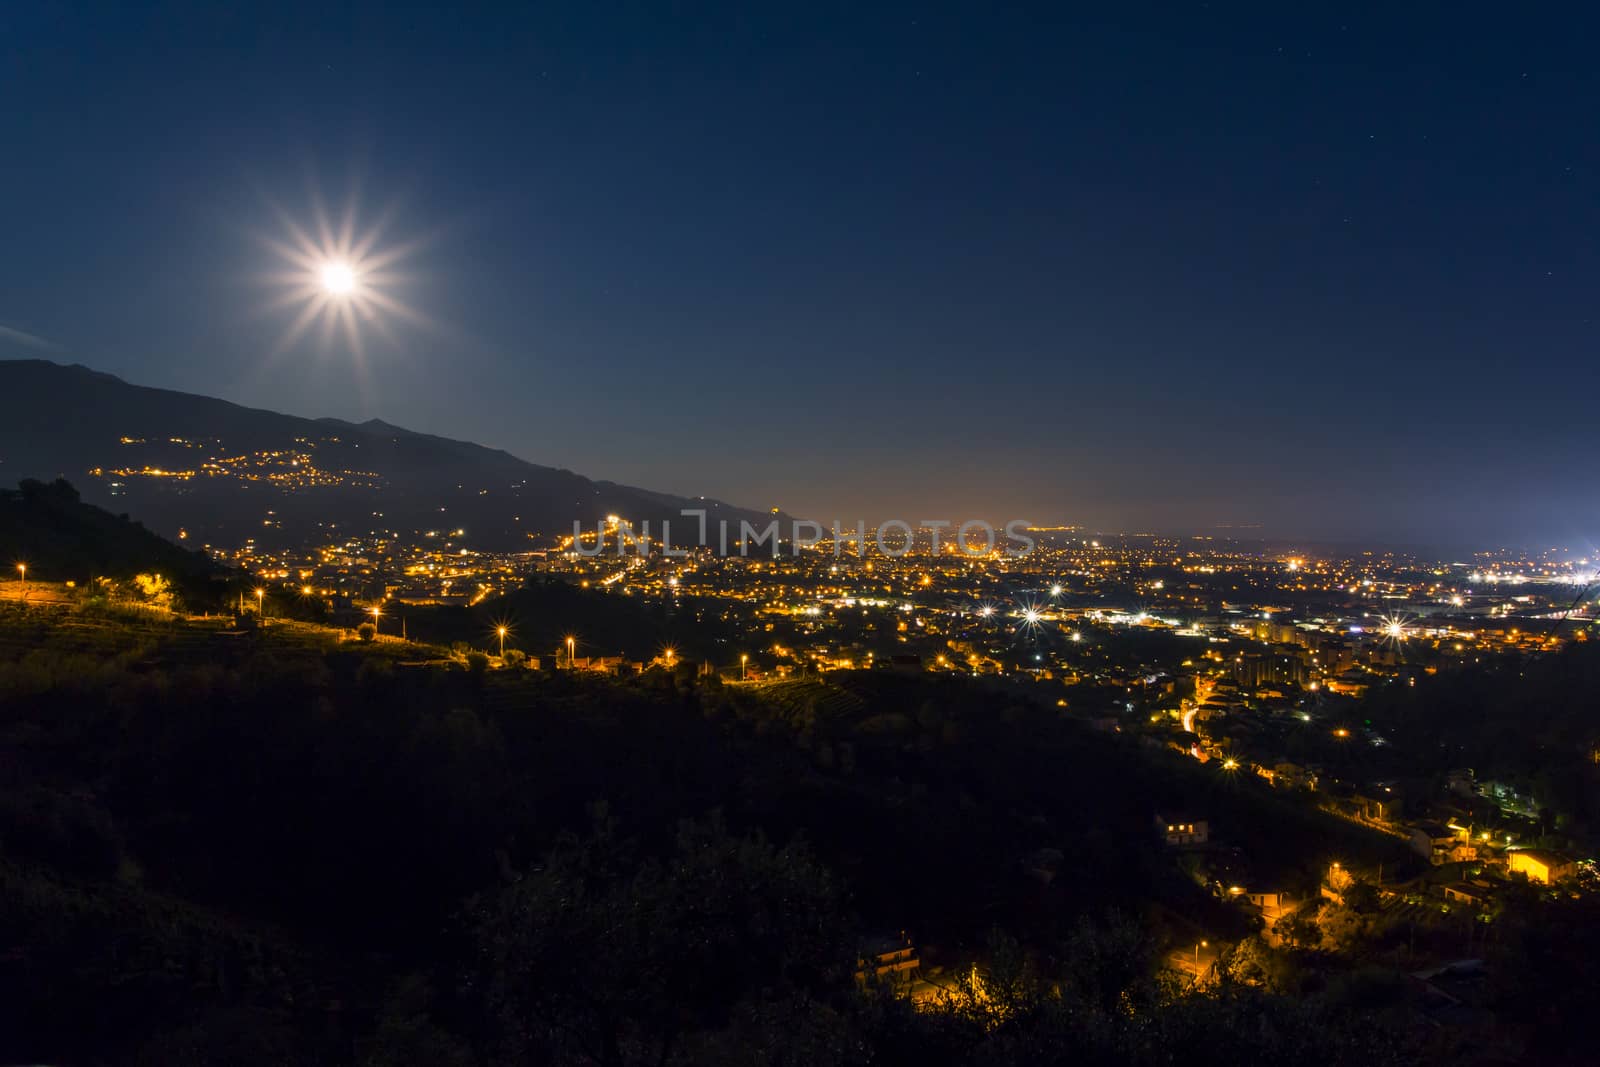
{"type": "Point", "coordinates": [1332, 272]}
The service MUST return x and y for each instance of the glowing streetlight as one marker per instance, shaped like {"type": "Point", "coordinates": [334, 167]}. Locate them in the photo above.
{"type": "Point", "coordinates": [1198, 946]}
{"type": "Point", "coordinates": [572, 644]}
{"type": "Point", "coordinates": [744, 661]}
{"type": "Point", "coordinates": [22, 576]}
{"type": "Point", "coordinates": [501, 631]}
{"type": "Point", "coordinates": [261, 604]}
{"type": "Point", "coordinates": [1055, 590]}
{"type": "Point", "coordinates": [377, 614]}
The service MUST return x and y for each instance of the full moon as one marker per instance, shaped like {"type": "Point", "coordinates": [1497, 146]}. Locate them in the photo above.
{"type": "Point", "coordinates": [338, 278]}
{"type": "Point", "coordinates": [335, 275]}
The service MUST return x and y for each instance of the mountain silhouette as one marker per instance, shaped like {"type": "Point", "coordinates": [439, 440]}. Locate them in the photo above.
{"type": "Point", "coordinates": [218, 473]}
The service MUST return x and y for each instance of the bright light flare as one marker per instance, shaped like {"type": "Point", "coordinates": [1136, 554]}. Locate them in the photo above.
{"type": "Point", "coordinates": [1395, 629]}
{"type": "Point", "coordinates": [338, 278]}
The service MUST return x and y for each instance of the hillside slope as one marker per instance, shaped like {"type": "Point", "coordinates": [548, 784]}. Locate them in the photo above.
{"type": "Point", "coordinates": [61, 539]}
{"type": "Point", "coordinates": [225, 473]}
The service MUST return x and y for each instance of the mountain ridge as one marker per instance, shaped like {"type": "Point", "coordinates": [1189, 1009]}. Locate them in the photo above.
{"type": "Point", "coordinates": [186, 464]}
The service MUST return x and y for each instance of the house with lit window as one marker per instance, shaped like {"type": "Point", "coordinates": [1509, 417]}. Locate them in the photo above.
{"type": "Point", "coordinates": [888, 959]}
{"type": "Point", "coordinates": [1439, 843]}
{"type": "Point", "coordinates": [1182, 830]}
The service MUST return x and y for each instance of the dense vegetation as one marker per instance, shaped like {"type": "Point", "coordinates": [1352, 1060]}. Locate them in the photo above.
{"type": "Point", "coordinates": [1525, 720]}
{"type": "Point", "coordinates": [276, 847]}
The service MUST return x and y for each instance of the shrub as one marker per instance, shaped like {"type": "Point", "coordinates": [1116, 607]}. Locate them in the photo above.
{"type": "Point", "coordinates": [367, 631]}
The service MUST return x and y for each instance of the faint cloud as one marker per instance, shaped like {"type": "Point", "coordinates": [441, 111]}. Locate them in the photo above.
{"type": "Point", "coordinates": [31, 340]}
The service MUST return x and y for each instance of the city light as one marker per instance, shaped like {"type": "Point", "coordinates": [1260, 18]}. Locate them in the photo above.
{"type": "Point", "coordinates": [1395, 629]}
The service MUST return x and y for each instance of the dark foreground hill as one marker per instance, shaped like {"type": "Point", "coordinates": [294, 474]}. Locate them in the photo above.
{"type": "Point", "coordinates": [280, 847]}
{"type": "Point", "coordinates": [61, 539]}
{"type": "Point", "coordinates": [225, 472]}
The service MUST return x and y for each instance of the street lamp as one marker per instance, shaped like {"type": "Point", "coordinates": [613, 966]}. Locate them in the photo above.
{"type": "Point", "coordinates": [22, 572]}
{"type": "Point", "coordinates": [501, 630]}
{"type": "Point", "coordinates": [571, 652]}
{"type": "Point", "coordinates": [377, 613]}
{"type": "Point", "coordinates": [261, 605]}
{"type": "Point", "coordinates": [744, 660]}
{"type": "Point", "coordinates": [1198, 946]}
